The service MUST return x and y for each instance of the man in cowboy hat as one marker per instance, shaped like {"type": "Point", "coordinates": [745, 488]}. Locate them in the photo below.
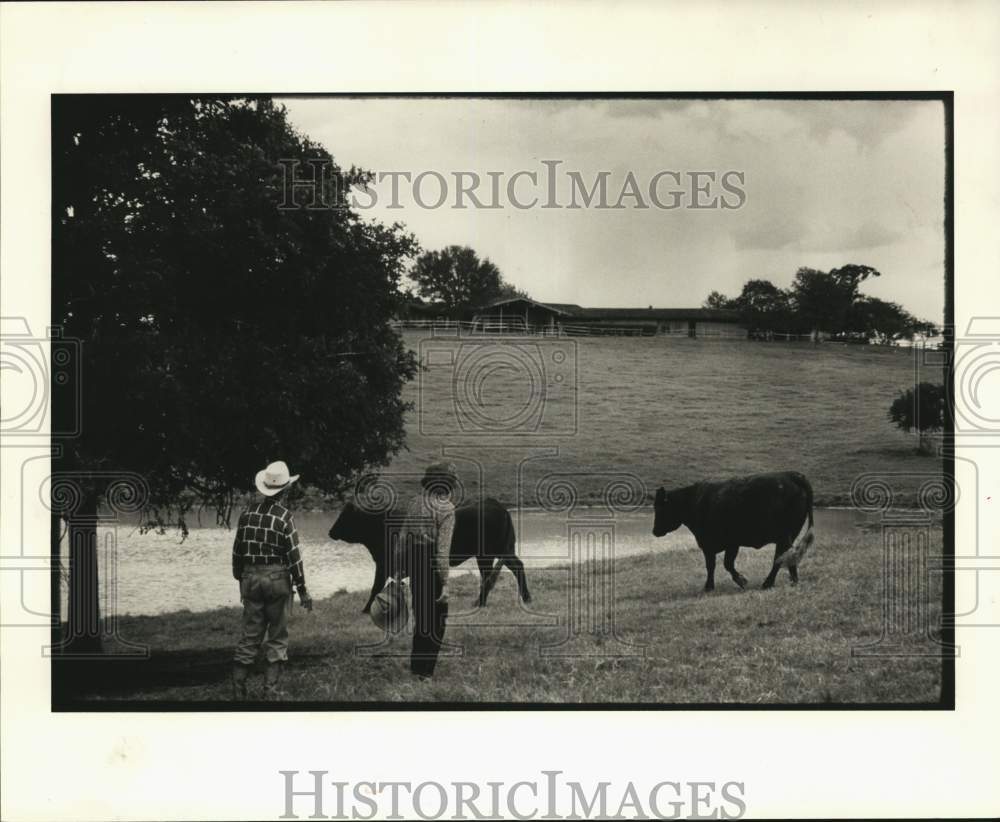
{"type": "Point", "coordinates": [265, 553]}
{"type": "Point", "coordinates": [425, 553]}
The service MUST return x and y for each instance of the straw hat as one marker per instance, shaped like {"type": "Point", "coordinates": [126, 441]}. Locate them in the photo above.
{"type": "Point", "coordinates": [274, 479]}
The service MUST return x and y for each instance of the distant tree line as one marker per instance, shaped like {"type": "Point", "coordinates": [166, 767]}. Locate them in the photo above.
{"type": "Point", "coordinates": [822, 301]}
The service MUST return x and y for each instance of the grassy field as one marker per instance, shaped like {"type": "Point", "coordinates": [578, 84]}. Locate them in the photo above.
{"type": "Point", "coordinates": [670, 411]}
{"type": "Point", "coordinates": [787, 645]}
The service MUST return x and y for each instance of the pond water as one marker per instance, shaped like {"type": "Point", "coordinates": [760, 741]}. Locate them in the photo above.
{"type": "Point", "coordinates": [159, 573]}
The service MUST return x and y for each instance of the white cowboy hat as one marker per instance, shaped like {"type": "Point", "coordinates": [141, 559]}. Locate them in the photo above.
{"type": "Point", "coordinates": [274, 479]}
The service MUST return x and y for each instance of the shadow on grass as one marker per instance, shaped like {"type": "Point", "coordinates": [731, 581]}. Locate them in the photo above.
{"type": "Point", "coordinates": [787, 646]}
{"type": "Point", "coordinates": [111, 677]}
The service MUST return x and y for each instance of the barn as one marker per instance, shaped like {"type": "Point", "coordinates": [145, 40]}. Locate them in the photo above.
{"type": "Point", "coordinates": [523, 315]}
{"type": "Point", "coordinates": [529, 316]}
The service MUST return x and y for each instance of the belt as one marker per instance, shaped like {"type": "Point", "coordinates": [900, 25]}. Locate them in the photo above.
{"type": "Point", "coordinates": [263, 560]}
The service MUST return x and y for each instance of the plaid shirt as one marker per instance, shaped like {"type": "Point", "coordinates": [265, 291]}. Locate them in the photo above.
{"type": "Point", "coordinates": [266, 535]}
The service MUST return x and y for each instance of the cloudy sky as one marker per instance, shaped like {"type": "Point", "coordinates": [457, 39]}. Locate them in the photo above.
{"type": "Point", "coordinates": [825, 184]}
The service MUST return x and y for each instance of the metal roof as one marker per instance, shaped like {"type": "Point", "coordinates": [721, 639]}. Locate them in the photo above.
{"type": "Point", "coordinates": [720, 314]}
{"type": "Point", "coordinates": [559, 308]}
{"type": "Point", "coordinates": [579, 312]}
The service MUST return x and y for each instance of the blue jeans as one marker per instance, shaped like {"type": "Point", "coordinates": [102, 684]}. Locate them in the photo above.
{"type": "Point", "coordinates": [266, 592]}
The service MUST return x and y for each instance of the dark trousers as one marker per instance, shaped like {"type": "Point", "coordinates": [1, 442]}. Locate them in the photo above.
{"type": "Point", "coordinates": [428, 615]}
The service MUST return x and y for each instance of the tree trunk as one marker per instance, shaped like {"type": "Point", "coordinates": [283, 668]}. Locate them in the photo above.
{"type": "Point", "coordinates": [55, 578]}
{"type": "Point", "coordinates": [83, 634]}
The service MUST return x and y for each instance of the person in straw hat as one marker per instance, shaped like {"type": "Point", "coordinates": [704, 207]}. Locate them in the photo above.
{"type": "Point", "coordinates": [265, 555]}
{"type": "Point", "coordinates": [424, 551]}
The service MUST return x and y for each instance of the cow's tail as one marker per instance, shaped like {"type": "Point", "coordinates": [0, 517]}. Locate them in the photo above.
{"type": "Point", "coordinates": [792, 557]}
{"type": "Point", "coordinates": [510, 538]}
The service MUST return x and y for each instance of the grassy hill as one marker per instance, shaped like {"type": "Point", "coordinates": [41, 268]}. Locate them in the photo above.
{"type": "Point", "coordinates": [670, 411]}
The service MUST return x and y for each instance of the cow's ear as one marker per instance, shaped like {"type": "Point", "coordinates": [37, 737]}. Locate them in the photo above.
{"type": "Point", "coordinates": [661, 494]}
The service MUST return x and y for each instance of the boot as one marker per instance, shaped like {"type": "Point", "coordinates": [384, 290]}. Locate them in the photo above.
{"type": "Point", "coordinates": [272, 678]}
{"type": "Point", "coordinates": [240, 674]}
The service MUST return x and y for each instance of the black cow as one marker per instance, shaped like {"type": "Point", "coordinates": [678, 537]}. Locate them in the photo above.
{"type": "Point", "coordinates": [489, 519]}
{"type": "Point", "coordinates": [748, 511]}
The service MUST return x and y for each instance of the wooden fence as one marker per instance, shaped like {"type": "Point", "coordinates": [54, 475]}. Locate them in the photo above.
{"type": "Point", "coordinates": [518, 326]}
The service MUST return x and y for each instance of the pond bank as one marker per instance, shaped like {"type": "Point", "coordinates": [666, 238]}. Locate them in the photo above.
{"type": "Point", "coordinates": [146, 580]}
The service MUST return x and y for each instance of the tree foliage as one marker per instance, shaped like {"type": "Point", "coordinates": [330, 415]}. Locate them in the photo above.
{"type": "Point", "coordinates": [717, 299]}
{"type": "Point", "coordinates": [762, 305]}
{"type": "Point", "coordinates": [826, 301]}
{"type": "Point", "coordinates": [823, 300]}
{"type": "Point", "coordinates": [458, 280]}
{"type": "Point", "coordinates": [883, 321]}
{"type": "Point", "coordinates": [219, 331]}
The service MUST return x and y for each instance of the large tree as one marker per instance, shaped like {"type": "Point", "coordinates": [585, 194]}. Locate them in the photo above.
{"type": "Point", "coordinates": [218, 331]}
{"type": "Point", "coordinates": [823, 300]}
{"type": "Point", "coordinates": [885, 321]}
{"type": "Point", "coordinates": [764, 306]}
{"type": "Point", "coordinates": [458, 280]}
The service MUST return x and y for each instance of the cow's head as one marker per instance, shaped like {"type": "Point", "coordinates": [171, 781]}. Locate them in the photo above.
{"type": "Point", "coordinates": [667, 517]}
{"type": "Point", "coordinates": [350, 525]}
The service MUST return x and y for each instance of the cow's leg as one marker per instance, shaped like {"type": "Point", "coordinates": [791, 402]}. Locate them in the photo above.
{"type": "Point", "coordinates": [780, 547]}
{"type": "Point", "coordinates": [488, 571]}
{"type": "Point", "coordinates": [710, 569]}
{"type": "Point", "coordinates": [729, 561]}
{"type": "Point", "coordinates": [513, 562]}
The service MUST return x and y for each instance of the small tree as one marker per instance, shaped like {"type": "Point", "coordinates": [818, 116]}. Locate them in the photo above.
{"type": "Point", "coordinates": [921, 409]}
{"type": "Point", "coordinates": [718, 300]}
